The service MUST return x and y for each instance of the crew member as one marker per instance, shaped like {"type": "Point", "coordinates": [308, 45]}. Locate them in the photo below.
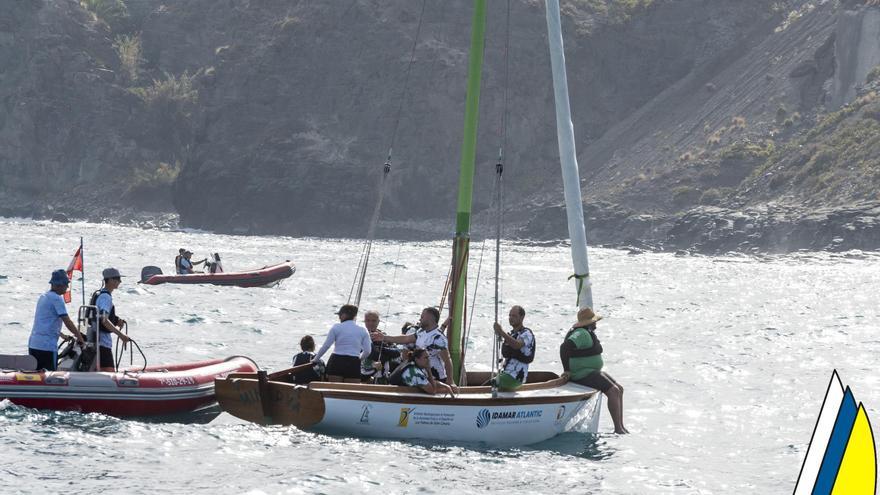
{"type": "Point", "coordinates": [351, 345]}
{"type": "Point", "coordinates": [316, 372]}
{"type": "Point", "coordinates": [186, 263]}
{"type": "Point", "coordinates": [517, 348]}
{"type": "Point", "coordinates": [416, 373]}
{"type": "Point", "coordinates": [581, 356]}
{"type": "Point", "coordinates": [106, 321]}
{"type": "Point", "coordinates": [431, 338]}
{"type": "Point", "coordinates": [50, 313]}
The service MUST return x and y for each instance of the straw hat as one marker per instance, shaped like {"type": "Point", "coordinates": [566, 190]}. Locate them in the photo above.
{"type": "Point", "coordinates": [586, 317]}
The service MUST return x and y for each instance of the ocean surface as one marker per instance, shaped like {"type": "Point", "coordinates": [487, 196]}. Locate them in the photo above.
{"type": "Point", "coordinates": [725, 362]}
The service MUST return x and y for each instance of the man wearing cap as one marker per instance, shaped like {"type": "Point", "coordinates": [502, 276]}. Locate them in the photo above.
{"type": "Point", "coordinates": [50, 313]}
{"type": "Point", "coordinates": [106, 320]}
{"type": "Point", "coordinates": [581, 355]}
{"type": "Point", "coordinates": [351, 344]}
{"type": "Point", "coordinates": [185, 263]}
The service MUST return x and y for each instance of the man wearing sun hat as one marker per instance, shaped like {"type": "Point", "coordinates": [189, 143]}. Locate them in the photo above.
{"type": "Point", "coordinates": [581, 355]}
{"type": "Point", "coordinates": [50, 313]}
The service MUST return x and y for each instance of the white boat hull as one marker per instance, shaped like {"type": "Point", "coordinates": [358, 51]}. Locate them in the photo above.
{"type": "Point", "coordinates": [494, 425]}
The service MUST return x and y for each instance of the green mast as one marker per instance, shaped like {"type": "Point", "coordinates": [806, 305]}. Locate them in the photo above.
{"type": "Point", "coordinates": [466, 186]}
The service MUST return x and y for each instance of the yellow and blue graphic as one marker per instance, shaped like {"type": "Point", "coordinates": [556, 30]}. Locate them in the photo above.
{"type": "Point", "coordinates": [841, 458]}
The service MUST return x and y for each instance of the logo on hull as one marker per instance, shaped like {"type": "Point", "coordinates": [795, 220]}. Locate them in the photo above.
{"type": "Point", "coordinates": [405, 413]}
{"type": "Point", "coordinates": [483, 418]}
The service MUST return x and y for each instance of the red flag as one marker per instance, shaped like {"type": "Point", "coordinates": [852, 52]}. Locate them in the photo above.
{"type": "Point", "coordinates": [75, 264]}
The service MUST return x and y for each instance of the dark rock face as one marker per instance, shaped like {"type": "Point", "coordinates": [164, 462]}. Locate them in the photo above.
{"type": "Point", "coordinates": [277, 116]}
{"type": "Point", "coordinates": [294, 122]}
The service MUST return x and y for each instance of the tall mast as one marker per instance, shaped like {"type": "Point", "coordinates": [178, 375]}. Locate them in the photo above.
{"type": "Point", "coordinates": [466, 185]}
{"type": "Point", "coordinates": [568, 158]}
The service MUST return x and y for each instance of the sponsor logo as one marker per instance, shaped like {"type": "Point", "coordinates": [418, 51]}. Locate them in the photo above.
{"type": "Point", "coordinates": [841, 457]}
{"type": "Point", "coordinates": [483, 418]}
{"type": "Point", "coordinates": [560, 413]}
{"type": "Point", "coordinates": [365, 414]}
{"type": "Point", "coordinates": [405, 414]}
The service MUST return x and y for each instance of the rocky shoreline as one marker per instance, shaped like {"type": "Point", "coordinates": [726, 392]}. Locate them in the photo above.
{"type": "Point", "coordinates": [709, 230]}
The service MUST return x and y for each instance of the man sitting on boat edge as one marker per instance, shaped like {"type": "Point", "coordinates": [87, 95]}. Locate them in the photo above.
{"type": "Point", "coordinates": [518, 349]}
{"type": "Point", "coordinates": [48, 316]}
{"type": "Point", "coordinates": [416, 373]}
{"type": "Point", "coordinates": [581, 356]}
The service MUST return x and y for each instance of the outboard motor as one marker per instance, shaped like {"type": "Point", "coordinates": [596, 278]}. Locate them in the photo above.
{"type": "Point", "coordinates": [88, 352]}
{"type": "Point", "coordinates": [149, 271]}
{"type": "Point", "coordinates": [70, 356]}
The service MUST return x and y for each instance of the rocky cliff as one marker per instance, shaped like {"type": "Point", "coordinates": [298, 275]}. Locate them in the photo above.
{"type": "Point", "coordinates": [277, 117]}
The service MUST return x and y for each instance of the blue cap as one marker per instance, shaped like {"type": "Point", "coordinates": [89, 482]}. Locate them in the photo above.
{"type": "Point", "coordinates": [59, 277]}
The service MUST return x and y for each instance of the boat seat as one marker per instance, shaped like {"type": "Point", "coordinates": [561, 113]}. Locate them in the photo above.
{"type": "Point", "coordinates": [18, 362]}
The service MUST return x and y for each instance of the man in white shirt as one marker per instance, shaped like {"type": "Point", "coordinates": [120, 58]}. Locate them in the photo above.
{"type": "Point", "coordinates": [351, 344]}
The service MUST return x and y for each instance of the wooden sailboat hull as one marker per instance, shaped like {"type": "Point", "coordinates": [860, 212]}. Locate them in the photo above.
{"type": "Point", "coordinates": [533, 414]}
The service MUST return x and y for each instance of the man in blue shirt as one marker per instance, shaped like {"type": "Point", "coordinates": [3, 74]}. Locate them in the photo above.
{"type": "Point", "coordinates": [107, 321]}
{"type": "Point", "coordinates": [50, 313]}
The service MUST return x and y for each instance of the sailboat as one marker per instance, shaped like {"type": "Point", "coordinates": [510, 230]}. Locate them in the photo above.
{"type": "Point", "coordinates": [540, 409]}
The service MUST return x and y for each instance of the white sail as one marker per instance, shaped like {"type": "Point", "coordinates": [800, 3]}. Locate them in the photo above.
{"type": "Point", "coordinates": [568, 158]}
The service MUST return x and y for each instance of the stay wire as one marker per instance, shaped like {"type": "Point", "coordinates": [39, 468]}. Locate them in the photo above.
{"type": "Point", "coordinates": [499, 199]}
{"type": "Point", "coordinates": [412, 58]}
{"type": "Point", "coordinates": [360, 274]}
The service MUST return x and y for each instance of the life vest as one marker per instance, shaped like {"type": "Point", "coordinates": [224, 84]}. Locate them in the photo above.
{"type": "Point", "coordinates": [508, 352]}
{"type": "Point", "coordinates": [91, 313]}
{"type": "Point", "coordinates": [593, 350]}
{"type": "Point", "coordinates": [177, 264]}
{"type": "Point", "coordinates": [314, 373]}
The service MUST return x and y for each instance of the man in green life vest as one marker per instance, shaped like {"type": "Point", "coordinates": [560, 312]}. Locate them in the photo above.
{"type": "Point", "coordinates": [581, 355]}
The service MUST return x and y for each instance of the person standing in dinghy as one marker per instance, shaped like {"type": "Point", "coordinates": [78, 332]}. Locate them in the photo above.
{"type": "Point", "coordinates": [50, 313]}
{"type": "Point", "coordinates": [106, 320]}
{"type": "Point", "coordinates": [351, 344]}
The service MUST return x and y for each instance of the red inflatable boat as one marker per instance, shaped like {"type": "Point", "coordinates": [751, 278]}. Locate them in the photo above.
{"type": "Point", "coordinates": [155, 391]}
{"type": "Point", "coordinates": [267, 275]}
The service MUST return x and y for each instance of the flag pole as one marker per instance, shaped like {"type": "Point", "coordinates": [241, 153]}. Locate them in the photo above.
{"type": "Point", "coordinates": [82, 271]}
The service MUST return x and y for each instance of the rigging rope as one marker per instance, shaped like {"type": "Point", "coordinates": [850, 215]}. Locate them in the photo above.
{"type": "Point", "coordinates": [412, 57]}
{"type": "Point", "coordinates": [499, 202]}
{"type": "Point", "coordinates": [361, 272]}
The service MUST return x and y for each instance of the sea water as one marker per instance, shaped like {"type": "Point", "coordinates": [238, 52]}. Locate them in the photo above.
{"type": "Point", "coordinates": [725, 362]}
